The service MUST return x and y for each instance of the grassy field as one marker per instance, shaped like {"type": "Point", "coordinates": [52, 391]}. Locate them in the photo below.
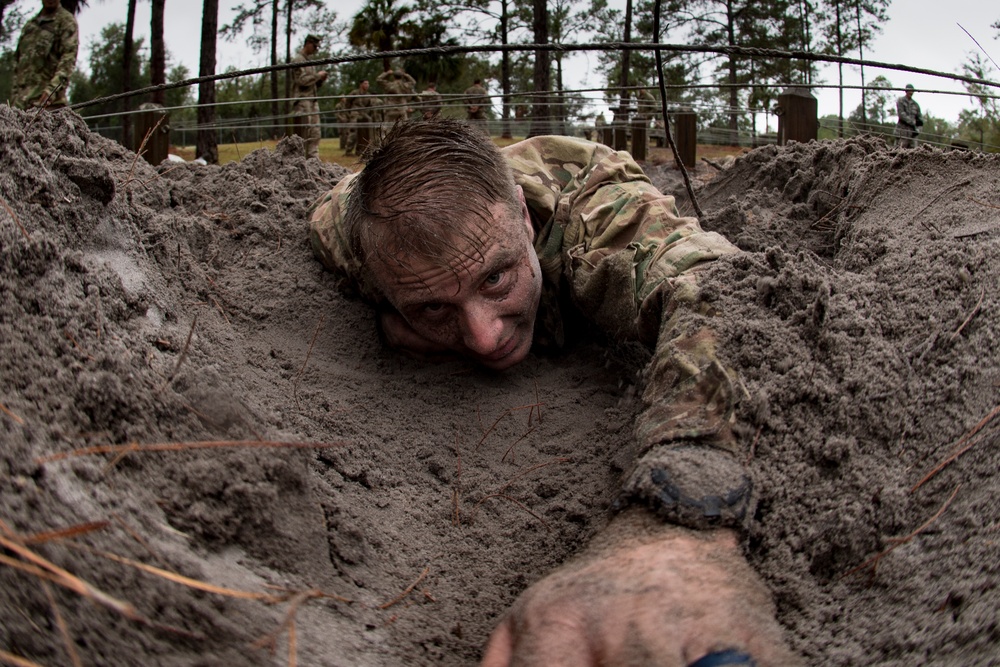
{"type": "Point", "coordinates": [330, 151]}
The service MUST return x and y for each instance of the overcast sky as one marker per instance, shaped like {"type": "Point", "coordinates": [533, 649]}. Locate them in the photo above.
{"type": "Point", "coordinates": [919, 33]}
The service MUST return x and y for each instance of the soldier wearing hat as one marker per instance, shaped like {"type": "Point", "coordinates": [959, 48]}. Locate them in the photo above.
{"type": "Point", "coordinates": [305, 82]}
{"type": "Point", "coordinates": [910, 120]}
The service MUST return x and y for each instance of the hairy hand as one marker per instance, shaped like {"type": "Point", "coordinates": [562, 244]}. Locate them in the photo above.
{"type": "Point", "coordinates": [645, 595]}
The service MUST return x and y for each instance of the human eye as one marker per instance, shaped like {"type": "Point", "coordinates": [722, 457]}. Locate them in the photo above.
{"type": "Point", "coordinates": [494, 279]}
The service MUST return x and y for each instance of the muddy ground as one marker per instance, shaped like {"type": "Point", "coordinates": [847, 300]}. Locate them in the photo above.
{"type": "Point", "coordinates": [377, 511]}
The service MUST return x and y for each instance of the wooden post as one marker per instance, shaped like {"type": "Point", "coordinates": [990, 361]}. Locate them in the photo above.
{"type": "Point", "coordinates": [640, 128]}
{"type": "Point", "coordinates": [158, 144]}
{"type": "Point", "coordinates": [797, 115]}
{"type": "Point", "coordinates": [686, 136]}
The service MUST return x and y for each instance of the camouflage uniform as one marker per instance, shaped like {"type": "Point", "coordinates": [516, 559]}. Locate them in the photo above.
{"type": "Point", "coordinates": [615, 248]}
{"type": "Point", "coordinates": [599, 125]}
{"type": "Point", "coordinates": [430, 103]}
{"type": "Point", "coordinates": [906, 127]}
{"type": "Point", "coordinates": [306, 107]}
{"type": "Point", "coordinates": [360, 106]}
{"type": "Point", "coordinates": [399, 87]}
{"type": "Point", "coordinates": [477, 102]}
{"type": "Point", "coordinates": [44, 60]}
{"type": "Point", "coordinates": [646, 105]}
{"type": "Point", "coordinates": [342, 119]}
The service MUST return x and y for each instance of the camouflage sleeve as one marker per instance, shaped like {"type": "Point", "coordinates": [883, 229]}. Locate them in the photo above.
{"type": "Point", "coordinates": [67, 62]}
{"type": "Point", "coordinates": [631, 263]}
{"type": "Point", "coordinates": [329, 241]}
{"type": "Point", "coordinates": [305, 77]}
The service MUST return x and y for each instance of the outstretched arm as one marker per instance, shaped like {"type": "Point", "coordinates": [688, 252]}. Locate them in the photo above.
{"type": "Point", "coordinates": [644, 593]}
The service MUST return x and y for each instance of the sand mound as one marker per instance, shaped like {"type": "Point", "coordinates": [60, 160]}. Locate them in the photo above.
{"type": "Point", "coordinates": [182, 304]}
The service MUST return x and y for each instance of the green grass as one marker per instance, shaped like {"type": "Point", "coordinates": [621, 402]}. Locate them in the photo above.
{"type": "Point", "coordinates": [330, 151]}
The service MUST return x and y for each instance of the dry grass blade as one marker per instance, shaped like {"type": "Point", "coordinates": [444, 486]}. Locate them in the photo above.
{"type": "Point", "coordinates": [180, 359]}
{"type": "Point", "coordinates": [968, 319]}
{"type": "Point", "coordinates": [63, 533]}
{"type": "Point", "coordinates": [504, 496]}
{"type": "Point", "coordinates": [74, 657]}
{"type": "Point", "coordinates": [142, 149]}
{"type": "Point", "coordinates": [17, 222]}
{"type": "Point", "coordinates": [77, 345]}
{"type": "Point", "coordinates": [490, 429]}
{"type": "Point", "coordinates": [900, 541]}
{"type": "Point", "coordinates": [72, 582]}
{"type": "Point", "coordinates": [3, 409]}
{"type": "Point", "coordinates": [531, 469]}
{"type": "Point", "coordinates": [180, 446]}
{"type": "Point", "coordinates": [964, 444]}
{"type": "Point", "coordinates": [510, 450]}
{"type": "Point", "coordinates": [188, 581]}
{"type": "Point", "coordinates": [11, 659]}
{"type": "Point", "coordinates": [298, 376]}
{"type": "Point", "coordinates": [409, 589]}
{"type": "Point", "coordinates": [270, 641]}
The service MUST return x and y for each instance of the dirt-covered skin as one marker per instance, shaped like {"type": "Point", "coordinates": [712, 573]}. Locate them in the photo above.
{"type": "Point", "coordinates": [180, 305]}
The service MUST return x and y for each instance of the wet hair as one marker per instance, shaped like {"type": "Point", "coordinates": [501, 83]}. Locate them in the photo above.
{"type": "Point", "coordinates": [426, 192]}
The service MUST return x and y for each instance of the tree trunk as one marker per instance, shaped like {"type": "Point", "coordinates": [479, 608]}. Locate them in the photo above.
{"type": "Point", "coordinates": [207, 146]}
{"type": "Point", "coordinates": [505, 131]}
{"type": "Point", "coordinates": [861, 56]}
{"type": "Point", "coordinates": [127, 75]}
{"type": "Point", "coordinates": [561, 99]}
{"type": "Point", "coordinates": [275, 111]}
{"type": "Point", "coordinates": [840, 70]}
{"type": "Point", "coordinates": [734, 93]}
{"type": "Point", "coordinates": [540, 120]}
{"type": "Point", "coordinates": [621, 113]}
{"type": "Point", "coordinates": [157, 52]}
{"type": "Point", "coordinates": [289, 129]}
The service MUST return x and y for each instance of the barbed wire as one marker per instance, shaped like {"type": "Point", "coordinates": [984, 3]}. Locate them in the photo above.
{"type": "Point", "coordinates": [749, 52]}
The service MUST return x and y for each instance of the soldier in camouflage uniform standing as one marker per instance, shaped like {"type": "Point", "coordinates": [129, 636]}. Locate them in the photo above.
{"type": "Point", "coordinates": [491, 263]}
{"type": "Point", "coordinates": [399, 87]}
{"type": "Point", "coordinates": [477, 100]}
{"type": "Point", "coordinates": [430, 102]}
{"type": "Point", "coordinates": [45, 58]}
{"type": "Point", "coordinates": [360, 105]}
{"type": "Point", "coordinates": [910, 121]}
{"type": "Point", "coordinates": [306, 81]}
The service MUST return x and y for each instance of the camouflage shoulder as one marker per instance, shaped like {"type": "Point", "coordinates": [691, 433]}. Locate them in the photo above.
{"type": "Point", "coordinates": [67, 22]}
{"type": "Point", "coordinates": [554, 157]}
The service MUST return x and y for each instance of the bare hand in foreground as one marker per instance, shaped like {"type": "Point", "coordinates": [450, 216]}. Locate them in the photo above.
{"type": "Point", "coordinates": [644, 594]}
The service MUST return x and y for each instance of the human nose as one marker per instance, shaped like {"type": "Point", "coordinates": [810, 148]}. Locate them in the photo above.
{"type": "Point", "coordinates": [482, 329]}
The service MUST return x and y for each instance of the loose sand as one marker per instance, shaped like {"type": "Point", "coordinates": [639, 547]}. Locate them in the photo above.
{"type": "Point", "coordinates": [182, 304]}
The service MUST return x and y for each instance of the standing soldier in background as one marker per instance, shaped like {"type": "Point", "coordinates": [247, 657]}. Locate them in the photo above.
{"type": "Point", "coordinates": [477, 101]}
{"type": "Point", "coordinates": [399, 86]}
{"type": "Point", "coordinates": [430, 102]}
{"type": "Point", "coordinates": [910, 121]}
{"type": "Point", "coordinates": [306, 108]}
{"type": "Point", "coordinates": [340, 109]}
{"type": "Point", "coordinates": [45, 58]}
{"type": "Point", "coordinates": [646, 108]}
{"type": "Point", "coordinates": [599, 125]}
{"type": "Point", "coordinates": [359, 105]}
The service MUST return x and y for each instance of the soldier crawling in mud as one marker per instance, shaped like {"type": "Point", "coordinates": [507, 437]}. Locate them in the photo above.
{"type": "Point", "coordinates": [483, 266]}
{"type": "Point", "coordinates": [45, 58]}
